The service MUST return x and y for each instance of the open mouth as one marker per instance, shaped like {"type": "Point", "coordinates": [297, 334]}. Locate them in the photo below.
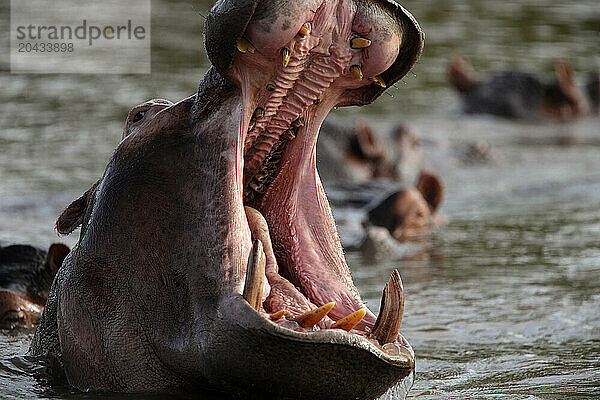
{"type": "Point", "coordinates": [291, 77]}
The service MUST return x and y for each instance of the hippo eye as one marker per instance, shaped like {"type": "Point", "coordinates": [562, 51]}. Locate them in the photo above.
{"type": "Point", "coordinates": [138, 117]}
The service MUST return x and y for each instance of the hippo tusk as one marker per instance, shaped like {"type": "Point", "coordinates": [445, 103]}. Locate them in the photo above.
{"type": "Point", "coordinates": [388, 322]}
{"type": "Point", "coordinates": [255, 275]}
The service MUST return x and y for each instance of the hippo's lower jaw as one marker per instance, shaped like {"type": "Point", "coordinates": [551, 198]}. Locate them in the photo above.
{"type": "Point", "coordinates": [290, 80]}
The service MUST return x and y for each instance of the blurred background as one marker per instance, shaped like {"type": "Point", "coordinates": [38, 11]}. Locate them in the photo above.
{"type": "Point", "coordinates": [502, 301]}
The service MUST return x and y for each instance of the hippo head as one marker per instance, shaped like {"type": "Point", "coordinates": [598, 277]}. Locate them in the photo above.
{"type": "Point", "coordinates": [208, 254]}
{"type": "Point", "coordinates": [408, 212]}
{"type": "Point", "coordinates": [26, 273]}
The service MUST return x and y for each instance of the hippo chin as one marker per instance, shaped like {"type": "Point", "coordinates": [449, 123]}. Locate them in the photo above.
{"type": "Point", "coordinates": [208, 255]}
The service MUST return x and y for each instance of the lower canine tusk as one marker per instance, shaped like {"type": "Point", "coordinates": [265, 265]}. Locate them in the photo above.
{"type": "Point", "coordinates": [390, 315]}
{"type": "Point", "coordinates": [255, 275]}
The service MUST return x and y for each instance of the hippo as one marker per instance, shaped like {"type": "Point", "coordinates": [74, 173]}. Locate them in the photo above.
{"type": "Point", "coordinates": [208, 257]}
{"type": "Point", "coordinates": [408, 212]}
{"type": "Point", "coordinates": [385, 221]}
{"type": "Point", "coordinates": [356, 153]}
{"type": "Point", "coordinates": [518, 95]}
{"type": "Point", "coordinates": [26, 273]}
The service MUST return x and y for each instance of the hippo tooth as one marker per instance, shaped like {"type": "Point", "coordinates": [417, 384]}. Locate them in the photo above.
{"type": "Point", "coordinates": [379, 81]}
{"type": "Point", "coordinates": [305, 29]}
{"type": "Point", "coordinates": [252, 124]}
{"type": "Point", "coordinates": [258, 113]}
{"type": "Point", "coordinates": [389, 319]}
{"type": "Point", "coordinates": [288, 134]}
{"type": "Point", "coordinates": [255, 275]}
{"type": "Point", "coordinates": [350, 321]}
{"type": "Point", "coordinates": [257, 187]}
{"type": "Point", "coordinates": [356, 70]}
{"type": "Point", "coordinates": [260, 176]}
{"type": "Point", "coordinates": [243, 45]}
{"type": "Point", "coordinates": [285, 57]}
{"type": "Point", "coordinates": [360, 43]}
{"type": "Point", "coordinates": [277, 315]}
{"type": "Point", "coordinates": [298, 122]}
{"type": "Point", "coordinates": [312, 317]}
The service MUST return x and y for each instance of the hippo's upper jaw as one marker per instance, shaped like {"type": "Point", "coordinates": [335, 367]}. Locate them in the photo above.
{"type": "Point", "coordinates": [209, 239]}
{"type": "Point", "coordinates": [293, 66]}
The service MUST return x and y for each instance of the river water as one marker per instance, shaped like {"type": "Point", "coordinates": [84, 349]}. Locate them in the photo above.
{"type": "Point", "coordinates": [503, 301]}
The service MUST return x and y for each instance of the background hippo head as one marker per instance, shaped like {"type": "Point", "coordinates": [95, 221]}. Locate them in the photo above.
{"type": "Point", "coordinates": [516, 94]}
{"type": "Point", "coordinates": [208, 255]}
{"type": "Point", "coordinates": [409, 212]}
{"type": "Point", "coordinates": [26, 274]}
{"type": "Point", "coordinates": [357, 153]}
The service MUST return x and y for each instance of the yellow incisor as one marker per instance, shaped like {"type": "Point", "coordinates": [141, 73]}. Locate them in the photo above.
{"type": "Point", "coordinates": [379, 81]}
{"type": "Point", "coordinates": [360, 43]}
{"type": "Point", "coordinates": [350, 321]}
{"type": "Point", "coordinates": [304, 29]}
{"type": "Point", "coordinates": [277, 315]}
{"type": "Point", "coordinates": [356, 70]}
{"type": "Point", "coordinates": [312, 317]}
{"type": "Point", "coordinates": [244, 46]}
{"type": "Point", "coordinates": [285, 57]}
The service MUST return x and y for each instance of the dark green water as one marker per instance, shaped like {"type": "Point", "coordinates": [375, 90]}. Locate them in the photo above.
{"type": "Point", "coordinates": [502, 302]}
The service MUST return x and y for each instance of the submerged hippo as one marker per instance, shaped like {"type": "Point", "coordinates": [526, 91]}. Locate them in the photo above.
{"type": "Point", "coordinates": [208, 255]}
{"type": "Point", "coordinates": [26, 273]}
{"type": "Point", "coordinates": [408, 212]}
{"type": "Point", "coordinates": [356, 153]}
{"type": "Point", "coordinates": [518, 95]}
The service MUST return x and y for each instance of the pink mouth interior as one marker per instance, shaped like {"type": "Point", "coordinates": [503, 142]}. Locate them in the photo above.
{"type": "Point", "coordinates": [280, 178]}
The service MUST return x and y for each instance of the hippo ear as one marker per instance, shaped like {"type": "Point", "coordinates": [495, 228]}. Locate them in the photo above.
{"type": "Point", "coordinates": [225, 24]}
{"type": "Point", "coordinates": [72, 217]}
{"type": "Point", "coordinates": [431, 189]}
{"type": "Point", "coordinates": [367, 143]}
{"type": "Point", "coordinates": [566, 81]}
{"type": "Point", "coordinates": [460, 75]}
{"type": "Point", "coordinates": [409, 53]}
{"type": "Point", "coordinates": [56, 255]}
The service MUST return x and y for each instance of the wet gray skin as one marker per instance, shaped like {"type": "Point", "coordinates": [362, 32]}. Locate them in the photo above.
{"type": "Point", "coordinates": [151, 296]}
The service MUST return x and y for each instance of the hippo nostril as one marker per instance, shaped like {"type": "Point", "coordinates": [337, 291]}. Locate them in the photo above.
{"type": "Point", "coordinates": [139, 116]}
